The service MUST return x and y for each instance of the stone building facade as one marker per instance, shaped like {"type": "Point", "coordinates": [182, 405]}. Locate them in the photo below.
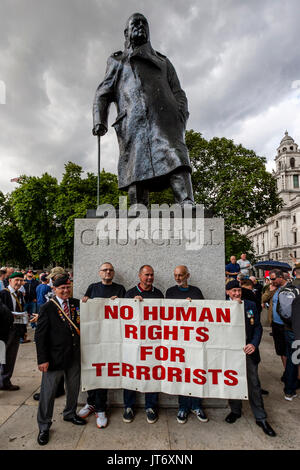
{"type": "Point", "coordinates": [279, 237]}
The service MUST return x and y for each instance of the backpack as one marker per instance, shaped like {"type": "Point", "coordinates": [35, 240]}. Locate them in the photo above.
{"type": "Point", "coordinates": [286, 296]}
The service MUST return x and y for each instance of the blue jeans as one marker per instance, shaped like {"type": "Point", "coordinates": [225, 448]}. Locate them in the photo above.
{"type": "Point", "coordinates": [291, 370]}
{"type": "Point", "coordinates": [31, 307]}
{"type": "Point", "coordinates": [151, 399]}
{"type": "Point", "coordinates": [189, 403]}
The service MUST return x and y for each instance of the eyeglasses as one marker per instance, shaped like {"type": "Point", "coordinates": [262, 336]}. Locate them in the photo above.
{"type": "Point", "coordinates": [107, 270]}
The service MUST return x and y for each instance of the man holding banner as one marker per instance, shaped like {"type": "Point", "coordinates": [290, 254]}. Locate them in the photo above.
{"type": "Point", "coordinates": [253, 338]}
{"type": "Point", "coordinates": [144, 290]}
{"type": "Point", "coordinates": [106, 288]}
{"type": "Point", "coordinates": [184, 291]}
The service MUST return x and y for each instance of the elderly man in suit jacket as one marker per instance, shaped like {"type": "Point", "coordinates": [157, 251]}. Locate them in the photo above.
{"type": "Point", "coordinates": [58, 354]}
{"type": "Point", "coordinates": [253, 338]}
{"type": "Point", "coordinates": [14, 301]}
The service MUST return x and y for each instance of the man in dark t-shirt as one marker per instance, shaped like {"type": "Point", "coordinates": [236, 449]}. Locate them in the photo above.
{"type": "Point", "coordinates": [101, 290]}
{"type": "Point", "coordinates": [144, 290]}
{"type": "Point", "coordinates": [106, 288]}
{"type": "Point", "coordinates": [232, 269]}
{"type": "Point", "coordinates": [182, 290]}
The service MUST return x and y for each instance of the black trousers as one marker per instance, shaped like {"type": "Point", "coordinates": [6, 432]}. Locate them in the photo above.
{"type": "Point", "coordinates": [50, 383]}
{"type": "Point", "coordinates": [12, 348]}
{"type": "Point", "coordinates": [97, 398]}
{"type": "Point", "coordinates": [254, 393]}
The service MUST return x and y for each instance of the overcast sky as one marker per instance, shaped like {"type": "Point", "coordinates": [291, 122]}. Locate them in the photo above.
{"type": "Point", "coordinates": [237, 60]}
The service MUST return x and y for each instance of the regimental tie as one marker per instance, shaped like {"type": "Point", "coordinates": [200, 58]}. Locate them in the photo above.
{"type": "Point", "coordinates": [18, 297]}
{"type": "Point", "coordinates": [66, 308]}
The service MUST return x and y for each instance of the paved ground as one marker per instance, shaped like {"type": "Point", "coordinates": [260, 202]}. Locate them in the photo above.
{"type": "Point", "coordinates": [18, 427]}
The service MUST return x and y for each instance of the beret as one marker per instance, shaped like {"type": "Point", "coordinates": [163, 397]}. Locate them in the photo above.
{"type": "Point", "coordinates": [61, 280]}
{"type": "Point", "coordinates": [232, 285]}
{"type": "Point", "coordinates": [16, 274]}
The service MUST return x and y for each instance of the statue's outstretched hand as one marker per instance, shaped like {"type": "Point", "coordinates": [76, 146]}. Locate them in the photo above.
{"type": "Point", "coordinates": [99, 129]}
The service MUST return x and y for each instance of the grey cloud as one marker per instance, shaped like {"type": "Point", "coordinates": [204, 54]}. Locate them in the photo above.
{"type": "Point", "coordinates": [235, 59]}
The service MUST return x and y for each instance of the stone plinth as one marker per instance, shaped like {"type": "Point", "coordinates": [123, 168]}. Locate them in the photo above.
{"type": "Point", "coordinates": [199, 245]}
{"type": "Point", "coordinates": [204, 258]}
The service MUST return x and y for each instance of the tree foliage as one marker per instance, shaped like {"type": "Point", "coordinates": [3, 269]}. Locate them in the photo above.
{"type": "Point", "coordinates": [12, 248]}
{"type": "Point", "coordinates": [37, 218]}
{"type": "Point", "coordinates": [231, 181]}
{"type": "Point", "coordinates": [236, 244]}
{"type": "Point", "coordinates": [41, 213]}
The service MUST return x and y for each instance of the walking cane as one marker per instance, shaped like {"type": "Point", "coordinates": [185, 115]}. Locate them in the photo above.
{"type": "Point", "coordinates": [98, 173]}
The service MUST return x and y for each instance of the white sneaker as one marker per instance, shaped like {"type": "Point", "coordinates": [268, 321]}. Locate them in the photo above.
{"type": "Point", "coordinates": [86, 411]}
{"type": "Point", "coordinates": [101, 419]}
{"type": "Point", "coordinates": [290, 397]}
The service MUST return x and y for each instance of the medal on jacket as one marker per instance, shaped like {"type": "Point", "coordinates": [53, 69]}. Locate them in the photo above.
{"type": "Point", "coordinates": [250, 315]}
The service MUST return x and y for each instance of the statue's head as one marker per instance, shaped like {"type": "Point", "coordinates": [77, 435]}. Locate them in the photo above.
{"type": "Point", "coordinates": [136, 30]}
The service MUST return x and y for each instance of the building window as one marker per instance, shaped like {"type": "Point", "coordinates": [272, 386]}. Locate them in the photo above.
{"type": "Point", "coordinates": [284, 149]}
{"type": "Point", "coordinates": [292, 162]}
{"type": "Point", "coordinates": [279, 166]}
{"type": "Point", "coordinates": [294, 219]}
{"type": "Point", "coordinates": [295, 254]}
{"type": "Point", "coordinates": [295, 237]}
{"type": "Point", "coordinates": [276, 240]}
{"type": "Point", "coordinates": [276, 224]}
{"type": "Point", "coordinates": [291, 148]}
{"type": "Point", "coordinates": [296, 181]}
{"type": "Point", "coordinates": [276, 255]}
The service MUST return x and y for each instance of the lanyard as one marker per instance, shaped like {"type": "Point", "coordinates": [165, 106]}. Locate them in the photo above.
{"type": "Point", "coordinates": [69, 319]}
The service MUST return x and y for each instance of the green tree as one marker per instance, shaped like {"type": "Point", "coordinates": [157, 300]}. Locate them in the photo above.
{"type": "Point", "coordinates": [44, 210]}
{"type": "Point", "coordinates": [76, 195]}
{"type": "Point", "coordinates": [33, 209]}
{"type": "Point", "coordinates": [12, 248]}
{"type": "Point", "coordinates": [236, 244]}
{"type": "Point", "coordinates": [231, 181]}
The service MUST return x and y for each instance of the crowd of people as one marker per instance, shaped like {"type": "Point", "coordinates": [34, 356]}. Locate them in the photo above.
{"type": "Point", "coordinates": [280, 295]}
{"type": "Point", "coordinates": [47, 297]}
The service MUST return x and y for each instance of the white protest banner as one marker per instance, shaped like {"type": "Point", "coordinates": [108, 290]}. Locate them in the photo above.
{"type": "Point", "coordinates": [180, 347]}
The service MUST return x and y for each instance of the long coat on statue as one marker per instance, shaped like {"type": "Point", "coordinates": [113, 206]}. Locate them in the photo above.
{"type": "Point", "coordinates": [152, 113]}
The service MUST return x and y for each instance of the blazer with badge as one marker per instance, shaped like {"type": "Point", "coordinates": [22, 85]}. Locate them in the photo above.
{"type": "Point", "coordinates": [6, 322]}
{"type": "Point", "coordinates": [5, 296]}
{"type": "Point", "coordinates": [56, 339]}
{"type": "Point", "coordinates": [253, 328]}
